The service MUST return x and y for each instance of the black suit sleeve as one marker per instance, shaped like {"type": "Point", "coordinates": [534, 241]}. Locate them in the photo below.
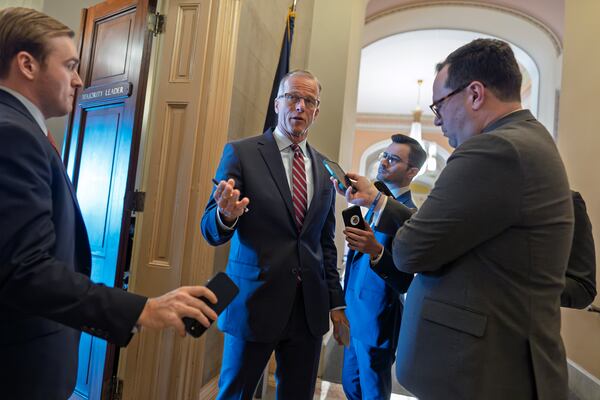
{"type": "Point", "coordinates": [332, 276]}
{"type": "Point", "coordinates": [393, 217]}
{"type": "Point", "coordinates": [465, 208]}
{"type": "Point", "coordinates": [580, 287]}
{"type": "Point", "coordinates": [385, 268]}
{"type": "Point", "coordinates": [32, 280]}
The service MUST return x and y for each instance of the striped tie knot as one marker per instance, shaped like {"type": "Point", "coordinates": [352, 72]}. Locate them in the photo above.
{"type": "Point", "coordinates": [299, 190]}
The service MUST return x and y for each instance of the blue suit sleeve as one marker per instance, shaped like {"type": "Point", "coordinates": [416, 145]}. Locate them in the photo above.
{"type": "Point", "coordinates": [229, 168]}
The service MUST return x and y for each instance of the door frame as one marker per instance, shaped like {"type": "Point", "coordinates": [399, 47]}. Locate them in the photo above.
{"type": "Point", "coordinates": [144, 8]}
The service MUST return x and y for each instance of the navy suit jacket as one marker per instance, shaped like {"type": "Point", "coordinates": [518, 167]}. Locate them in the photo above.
{"type": "Point", "coordinates": [267, 251]}
{"type": "Point", "coordinates": [374, 308]}
{"type": "Point", "coordinates": [46, 297]}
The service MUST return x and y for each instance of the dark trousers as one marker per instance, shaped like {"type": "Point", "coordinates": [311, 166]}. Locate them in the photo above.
{"type": "Point", "coordinates": [297, 354]}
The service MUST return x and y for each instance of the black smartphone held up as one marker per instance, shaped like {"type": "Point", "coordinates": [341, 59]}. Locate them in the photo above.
{"type": "Point", "coordinates": [353, 217]}
{"type": "Point", "coordinates": [338, 173]}
{"type": "Point", "coordinates": [225, 290]}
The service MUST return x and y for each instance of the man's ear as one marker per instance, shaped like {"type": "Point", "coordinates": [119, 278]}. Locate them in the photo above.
{"type": "Point", "coordinates": [477, 95]}
{"type": "Point", "coordinates": [26, 65]}
{"type": "Point", "coordinates": [412, 172]}
{"type": "Point", "coordinates": [276, 105]}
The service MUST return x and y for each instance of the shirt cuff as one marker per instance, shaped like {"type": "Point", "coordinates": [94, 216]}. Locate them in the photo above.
{"type": "Point", "coordinates": [375, 260]}
{"type": "Point", "coordinates": [338, 308]}
{"type": "Point", "coordinates": [222, 225]}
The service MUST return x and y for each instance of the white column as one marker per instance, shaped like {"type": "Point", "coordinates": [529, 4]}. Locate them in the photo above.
{"type": "Point", "coordinates": [334, 57]}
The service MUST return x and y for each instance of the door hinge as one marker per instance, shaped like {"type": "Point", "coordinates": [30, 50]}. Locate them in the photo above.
{"type": "Point", "coordinates": [134, 201]}
{"type": "Point", "coordinates": [116, 388]}
{"type": "Point", "coordinates": [156, 23]}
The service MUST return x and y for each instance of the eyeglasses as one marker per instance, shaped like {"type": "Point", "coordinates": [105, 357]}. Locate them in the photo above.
{"type": "Point", "coordinates": [390, 158]}
{"type": "Point", "coordinates": [293, 98]}
{"type": "Point", "coordinates": [437, 105]}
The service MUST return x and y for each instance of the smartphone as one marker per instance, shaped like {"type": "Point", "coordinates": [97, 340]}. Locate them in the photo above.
{"type": "Point", "coordinates": [338, 173]}
{"type": "Point", "coordinates": [353, 217]}
{"type": "Point", "coordinates": [225, 290]}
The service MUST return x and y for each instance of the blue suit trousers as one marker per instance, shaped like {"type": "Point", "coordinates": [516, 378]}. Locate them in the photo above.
{"type": "Point", "coordinates": [367, 372]}
{"type": "Point", "coordinates": [297, 354]}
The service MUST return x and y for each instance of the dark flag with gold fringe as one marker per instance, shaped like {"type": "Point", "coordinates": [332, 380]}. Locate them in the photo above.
{"type": "Point", "coordinates": [283, 67]}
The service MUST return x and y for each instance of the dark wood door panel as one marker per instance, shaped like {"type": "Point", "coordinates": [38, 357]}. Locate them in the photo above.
{"type": "Point", "coordinates": [112, 41]}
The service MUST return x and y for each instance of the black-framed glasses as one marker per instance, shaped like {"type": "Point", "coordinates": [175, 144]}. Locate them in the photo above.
{"type": "Point", "coordinates": [294, 98]}
{"type": "Point", "coordinates": [390, 158]}
{"type": "Point", "coordinates": [436, 106]}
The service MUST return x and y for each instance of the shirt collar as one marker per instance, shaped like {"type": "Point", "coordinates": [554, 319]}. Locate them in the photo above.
{"type": "Point", "coordinates": [283, 142]}
{"type": "Point", "coordinates": [400, 191]}
{"type": "Point", "coordinates": [32, 108]}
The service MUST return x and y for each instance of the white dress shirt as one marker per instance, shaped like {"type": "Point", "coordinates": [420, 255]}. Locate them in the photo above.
{"type": "Point", "coordinates": [287, 157]}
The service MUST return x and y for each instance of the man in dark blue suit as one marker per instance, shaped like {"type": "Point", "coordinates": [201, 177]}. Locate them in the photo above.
{"type": "Point", "coordinates": [46, 295]}
{"type": "Point", "coordinates": [374, 305]}
{"type": "Point", "coordinates": [282, 254]}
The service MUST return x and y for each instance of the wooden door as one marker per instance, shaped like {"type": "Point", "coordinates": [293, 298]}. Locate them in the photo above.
{"type": "Point", "coordinates": [101, 154]}
{"type": "Point", "coordinates": [187, 128]}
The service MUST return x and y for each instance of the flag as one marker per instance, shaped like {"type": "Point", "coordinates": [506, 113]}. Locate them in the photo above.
{"type": "Point", "coordinates": [283, 67]}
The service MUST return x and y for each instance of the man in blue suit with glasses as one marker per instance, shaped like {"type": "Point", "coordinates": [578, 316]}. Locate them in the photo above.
{"type": "Point", "coordinates": [374, 306]}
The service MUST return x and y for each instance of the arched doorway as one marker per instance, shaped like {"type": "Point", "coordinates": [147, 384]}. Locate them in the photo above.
{"type": "Point", "coordinates": [388, 94]}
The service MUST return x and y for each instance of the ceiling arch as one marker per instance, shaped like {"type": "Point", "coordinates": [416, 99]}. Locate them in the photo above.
{"type": "Point", "coordinates": [550, 13]}
{"type": "Point", "coordinates": [524, 33]}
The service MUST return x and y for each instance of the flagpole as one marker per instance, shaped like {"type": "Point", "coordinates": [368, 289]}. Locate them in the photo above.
{"type": "Point", "coordinates": [294, 6]}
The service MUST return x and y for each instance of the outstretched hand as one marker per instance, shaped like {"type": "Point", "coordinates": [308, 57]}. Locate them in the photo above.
{"type": "Point", "coordinates": [168, 310]}
{"type": "Point", "coordinates": [228, 201]}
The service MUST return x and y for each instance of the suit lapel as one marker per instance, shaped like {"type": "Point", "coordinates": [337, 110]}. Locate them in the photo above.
{"type": "Point", "coordinates": [317, 182]}
{"type": "Point", "coordinates": [405, 198]}
{"type": "Point", "coordinates": [13, 102]}
{"type": "Point", "coordinates": [272, 157]}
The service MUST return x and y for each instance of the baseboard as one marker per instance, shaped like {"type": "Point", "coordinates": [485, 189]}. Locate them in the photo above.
{"type": "Point", "coordinates": [581, 383]}
{"type": "Point", "coordinates": [210, 390]}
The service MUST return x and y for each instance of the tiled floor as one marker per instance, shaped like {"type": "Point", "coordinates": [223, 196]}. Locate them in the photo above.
{"type": "Point", "coordinates": [334, 391]}
{"type": "Point", "coordinates": [328, 391]}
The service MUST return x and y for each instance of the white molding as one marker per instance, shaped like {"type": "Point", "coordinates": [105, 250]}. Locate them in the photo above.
{"type": "Point", "coordinates": [583, 384]}
{"type": "Point", "coordinates": [523, 31]}
{"type": "Point", "coordinates": [528, 18]}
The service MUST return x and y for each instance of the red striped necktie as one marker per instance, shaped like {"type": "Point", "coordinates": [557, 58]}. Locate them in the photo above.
{"type": "Point", "coordinates": [299, 190]}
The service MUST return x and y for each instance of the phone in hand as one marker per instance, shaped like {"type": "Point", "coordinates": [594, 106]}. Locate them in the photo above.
{"type": "Point", "coordinates": [338, 173]}
{"type": "Point", "coordinates": [225, 290]}
{"type": "Point", "coordinates": [353, 217]}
